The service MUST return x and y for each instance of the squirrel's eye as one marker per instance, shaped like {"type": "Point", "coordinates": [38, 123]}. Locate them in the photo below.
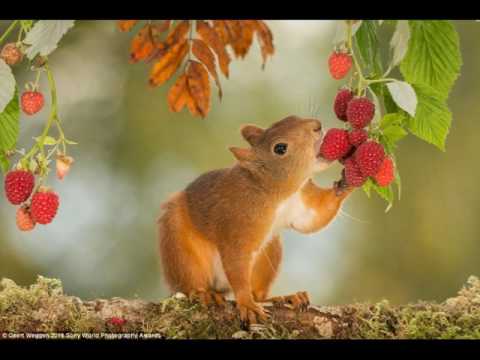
{"type": "Point", "coordinates": [280, 148]}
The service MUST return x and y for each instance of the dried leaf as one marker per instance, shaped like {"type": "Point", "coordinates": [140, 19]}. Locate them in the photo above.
{"type": "Point", "coordinates": [164, 26]}
{"type": "Point", "coordinates": [205, 55]}
{"type": "Point", "coordinates": [212, 39]}
{"type": "Point", "coordinates": [126, 25]}
{"type": "Point", "coordinates": [221, 29]}
{"type": "Point", "coordinates": [199, 88]}
{"type": "Point", "coordinates": [168, 64]}
{"type": "Point", "coordinates": [243, 43]}
{"type": "Point", "coordinates": [179, 95]}
{"type": "Point", "coordinates": [265, 39]}
{"type": "Point", "coordinates": [142, 45]}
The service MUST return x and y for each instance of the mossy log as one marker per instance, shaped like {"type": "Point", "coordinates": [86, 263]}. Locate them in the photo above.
{"type": "Point", "coordinates": [43, 308]}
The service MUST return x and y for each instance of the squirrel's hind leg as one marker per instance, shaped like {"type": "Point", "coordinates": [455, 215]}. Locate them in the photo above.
{"type": "Point", "coordinates": [187, 258]}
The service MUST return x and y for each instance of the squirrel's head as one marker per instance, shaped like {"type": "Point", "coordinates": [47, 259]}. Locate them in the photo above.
{"type": "Point", "coordinates": [287, 150]}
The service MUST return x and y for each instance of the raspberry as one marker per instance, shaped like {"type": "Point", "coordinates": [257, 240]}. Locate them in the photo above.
{"type": "Point", "coordinates": [11, 54]}
{"type": "Point", "coordinates": [353, 175]}
{"type": "Point", "coordinates": [18, 186]}
{"type": "Point", "coordinates": [24, 219]}
{"type": "Point", "coordinates": [44, 206]}
{"type": "Point", "coordinates": [339, 64]}
{"type": "Point", "coordinates": [63, 165]}
{"type": "Point", "coordinates": [348, 155]}
{"type": "Point", "coordinates": [357, 137]}
{"type": "Point", "coordinates": [32, 102]}
{"type": "Point", "coordinates": [369, 157]}
{"type": "Point", "coordinates": [385, 175]}
{"type": "Point", "coordinates": [360, 112]}
{"type": "Point", "coordinates": [335, 144]}
{"type": "Point", "coordinates": [340, 104]}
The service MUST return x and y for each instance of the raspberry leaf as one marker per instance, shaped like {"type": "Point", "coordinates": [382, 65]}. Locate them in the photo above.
{"type": "Point", "coordinates": [385, 193]}
{"type": "Point", "coordinates": [433, 55]}
{"type": "Point", "coordinates": [7, 85]}
{"type": "Point", "coordinates": [399, 42]}
{"type": "Point", "coordinates": [9, 126]}
{"type": "Point", "coordinates": [404, 96]}
{"type": "Point", "coordinates": [4, 163]}
{"type": "Point", "coordinates": [432, 118]}
{"type": "Point", "coordinates": [45, 36]}
{"type": "Point", "coordinates": [367, 43]}
{"type": "Point", "coordinates": [341, 31]}
{"type": "Point", "coordinates": [392, 130]}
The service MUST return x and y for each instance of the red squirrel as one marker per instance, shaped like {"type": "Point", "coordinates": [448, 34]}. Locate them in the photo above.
{"type": "Point", "coordinates": [222, 233]}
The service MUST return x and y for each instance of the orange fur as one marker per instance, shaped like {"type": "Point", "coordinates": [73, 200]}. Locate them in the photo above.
{"type": "Point", "coordinates": [222, 232]}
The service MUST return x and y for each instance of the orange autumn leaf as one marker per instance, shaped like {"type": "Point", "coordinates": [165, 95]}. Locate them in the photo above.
{"type": "Point", "coordinates": [142, 45]}
{"type": "Point", "coordinates": [126, 25]}
{"type": "Point", "coordinates": [176, 35]}
{"type": "Point", "coordinates": [265, 39]}
{"type": "Point", "coordinates": [221, 30]}
{"type": "Point", "coordinates": [199, 87]}
{"type": "Point", "coordinates": [179, 95]}
{"type": "Point", "coordinates": [168, 63]}
{"type": "Point", "coordinates": [242, 43]}
{"type": "Point", "coordinates": [203, 53]}
{"type": "Point", "coordinates": [211, 38]}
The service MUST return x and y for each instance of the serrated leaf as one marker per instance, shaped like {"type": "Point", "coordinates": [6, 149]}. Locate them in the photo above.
{"type": "Point", "coordinates": [432, 119]}
{"type": "Point", "coordinates": [7, 84]}
{"type": "Point", "coordinates": [367, 43]}
{"type": "Point", "coordinates": [399, 41]}
{"type": "Point", "coordinates": [392, 131]}
{"type": "Point", "coordinates": [9, 127]}
{"type": "Point", "coordinates": [341, 31]}
{"type": "Point", "coordinates": [433, 57]}
{"type": "Point", "coordinates": [45, 35]}
{"type": "Point", "coordinates": [404, 96]}
{"type": "Point", "coordinates": [4, 163]}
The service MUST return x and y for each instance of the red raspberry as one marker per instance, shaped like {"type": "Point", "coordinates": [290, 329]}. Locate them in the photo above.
{"type": "Point", "coordinates": [117, 321]}
{"type": "Point", "coordinates": [357, 137]}
{"type": "Point", "coordinates": [18, 186]}
{"type": "Point", "coordinates": [369, 157]}
{"type": "Point", "coordinates": [335, 144]}
{"type": "Point", "coordinates": [340, 104]}
{"type": "Point", "coordinates": [360, 112]}
{"type": "Point", "coordinates": [385, 175]}
{"type": "Point", "coordinates": [353, 175]}
{"type": "Point", "coordinates": [339, 64]}
{"type": "Point", "coordinates": [32, 102]}
{"type": "Point", "coordinates": [24, 219]}
{"type": "Point", "coordinates": [44, 206]}
{"type": "Point", "coordinates": [11, 54]}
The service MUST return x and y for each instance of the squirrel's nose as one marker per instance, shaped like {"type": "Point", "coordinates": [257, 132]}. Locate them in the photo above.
{"type": "Point", "coordinates": [317, 125]}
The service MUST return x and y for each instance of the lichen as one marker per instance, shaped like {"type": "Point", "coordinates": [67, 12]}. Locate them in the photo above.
{"type": "Point", "coordinates": [43, 307]}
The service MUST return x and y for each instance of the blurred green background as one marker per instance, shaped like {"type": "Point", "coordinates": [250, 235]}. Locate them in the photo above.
{"type": "Point", "coordinates": [133, 153]}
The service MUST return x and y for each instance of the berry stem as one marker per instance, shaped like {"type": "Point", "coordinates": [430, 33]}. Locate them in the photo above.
{"type": "Point", "coordinates": [9, 30]}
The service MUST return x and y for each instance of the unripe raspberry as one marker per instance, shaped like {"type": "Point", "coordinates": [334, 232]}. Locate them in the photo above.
{"type": "Point", "coordinates": [63, 165]}
{"type": "Point", "coordinates": [340, 104]}
{"type": "Point", "coordinates": [369, 157]}
{"type": "Point", "coordinates": [44, 206]}
{"type": "Point", "coordinates": [32, 102]}
{"type": "Point", "coordinates": [11, 54]}
{"type": "Point", "coordinates": [339, 64]}
{"type": "Point", "coordinates": [385, 175]}
{"type": "Point", "coordinates": [335, 144]}
{"type": "Point", "coordinates": [360, 112]}
{"type": "Point", "coordinates": [18, 186]}
{"type": "Point", "coordinates": [357, 136]}
{"type": "Point", "coordinates": [24, 219]}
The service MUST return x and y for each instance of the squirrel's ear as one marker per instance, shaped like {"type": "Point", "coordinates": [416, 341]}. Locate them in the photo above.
{"type": "Point", "coordinates": [241, 154]}
{"type": "Point", "coordinates": [251, 133]}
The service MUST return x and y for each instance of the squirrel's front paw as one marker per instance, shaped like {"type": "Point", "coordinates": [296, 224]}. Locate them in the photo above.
{"type": "Point", "coordinates": [252, 313]}
{"type": "Point", "coordinates": [341, 187]}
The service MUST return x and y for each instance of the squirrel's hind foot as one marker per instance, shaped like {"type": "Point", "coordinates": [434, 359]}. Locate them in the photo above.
{"type": "Point", "coordinates": [252, 314]}
{"type": "Point", "coordinates": [299, 301]}
{"type": "Point", "coordinates": [208, 297]}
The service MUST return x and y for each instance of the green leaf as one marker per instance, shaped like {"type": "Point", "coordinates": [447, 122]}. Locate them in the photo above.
{"type": "Point", "coordinates": [341, 31]}
{"type": "Point", "coordinates": [7, 84]}
{"type": "Point", "coordinates": [4, 163]}
{"type": "Point", "coordinates": [386, 193]}
{"type": "Point", "coordinates": [432, 118]}
{"type": "Point", "coordinates": [403, 95]}
{"type": "Point", "coordinates": [45, 35]}
{"type": "Point", "coordinates": [367, 44]}
{"type": "Point", "coordinates": [367, 187]}
{"type": "Point", "coordinates": [9, 127]}
{"type": "Point", "coordinates": [433, 55]}
{"type": "Point", "coordinates": [392, 130]}
{"type": "Point", "coordinates": [399, 41]}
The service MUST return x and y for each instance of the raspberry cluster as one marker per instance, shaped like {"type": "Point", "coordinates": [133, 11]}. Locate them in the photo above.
{"type": "Point", "coordinates": [42, 206]}
{"type": "Point", "coordinates": [361, 156]}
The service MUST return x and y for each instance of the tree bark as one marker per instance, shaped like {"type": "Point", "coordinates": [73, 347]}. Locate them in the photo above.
{"type": "Point", "coordinates": [43, 310]}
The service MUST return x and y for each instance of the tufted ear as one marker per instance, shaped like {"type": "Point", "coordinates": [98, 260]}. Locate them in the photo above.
{"type": "Point", "coordinates": [242, 154]}
{"type": "Point", "coordinates": [251, 133]}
